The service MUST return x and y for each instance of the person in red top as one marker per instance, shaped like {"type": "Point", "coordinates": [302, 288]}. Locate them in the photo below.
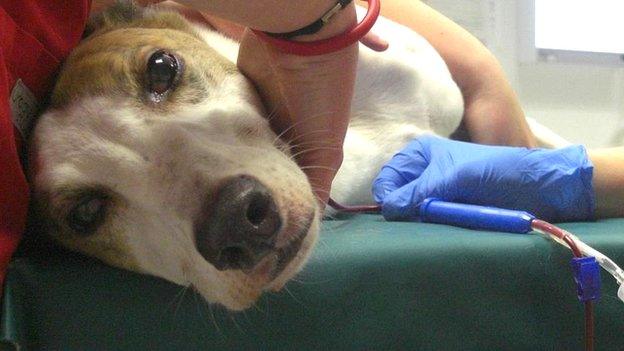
{"type": "Point", "coordinates": [35, 37]}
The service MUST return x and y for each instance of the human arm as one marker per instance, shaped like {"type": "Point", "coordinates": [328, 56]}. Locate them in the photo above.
{"type": "Point", "coordinates": [608, 181]}
{"type": "Point", "coordinates": [557, 185]}
{"type": "Point", "coordinates": [492, 111]}
{"type": "Point", "coordinates": [309, 99]}
{"type": "Point", "coordinates": [267, 15]}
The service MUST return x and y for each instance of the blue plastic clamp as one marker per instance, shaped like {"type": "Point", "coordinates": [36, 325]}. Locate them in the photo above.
{"type": "Point", "coordinates": [433, 210]}
{"type": "Point", "coordinates": [587, 277]}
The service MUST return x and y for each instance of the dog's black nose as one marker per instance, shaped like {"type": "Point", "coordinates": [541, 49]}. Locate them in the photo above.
{"type": "Point", "coordinates": [241, 225]}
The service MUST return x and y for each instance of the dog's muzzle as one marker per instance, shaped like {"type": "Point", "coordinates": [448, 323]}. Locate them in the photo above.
{"type": "Point", "coordinates": [241, 227]}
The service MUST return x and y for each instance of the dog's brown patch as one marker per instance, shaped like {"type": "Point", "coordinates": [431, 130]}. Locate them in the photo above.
{"type": "Point", "coordinates": [112, 62]}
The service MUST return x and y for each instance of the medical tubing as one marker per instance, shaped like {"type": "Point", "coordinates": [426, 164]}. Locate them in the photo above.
{"type": "Point", "coordinates": [353, 209]}
{"type": "Point", "coordinates": [605, 262]}
{"type": "Point", "coordinates": [490, 218]}
{"type": "Point", "coordinates": [469, 216]}
{"type": "Point", "coordinates": [436, 211]}
{"type": "Point", "coordinates": [562, 235]}
{"type": "Point", "coordinates": [557, 232]}
{"type": "Point", "coordinates": [589, 326]}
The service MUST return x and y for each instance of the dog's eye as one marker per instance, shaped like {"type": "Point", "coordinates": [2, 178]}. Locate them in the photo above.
{"type": "Point", "coordinates": [163, 69]}
{"type": "Point", "coordinates": [88, 214]}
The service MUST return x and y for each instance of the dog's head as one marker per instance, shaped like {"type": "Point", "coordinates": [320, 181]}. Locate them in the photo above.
{"type": "Point", "coordinates": [155, 156]}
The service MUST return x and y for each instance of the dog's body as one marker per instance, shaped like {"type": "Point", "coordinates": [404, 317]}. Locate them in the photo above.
{"type": "Point", "coordinates": [399, 94]}
{"type": "Point", "coordinates": [144, 170]}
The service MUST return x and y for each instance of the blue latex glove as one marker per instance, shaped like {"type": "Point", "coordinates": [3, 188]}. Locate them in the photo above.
{"type": "Point", "coordinates": [553, 185]}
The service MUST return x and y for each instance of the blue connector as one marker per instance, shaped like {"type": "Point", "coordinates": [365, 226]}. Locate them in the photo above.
{"type": "Point", "coordinates": [587, 277]}
{"type": "Point", "coordinates": [475, 217]}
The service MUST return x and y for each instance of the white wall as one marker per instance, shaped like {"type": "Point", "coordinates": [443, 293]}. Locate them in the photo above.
{"type": "Point", "coordinates": [584, 102]}
{"type": "Point", "coordinates": [578, 101]}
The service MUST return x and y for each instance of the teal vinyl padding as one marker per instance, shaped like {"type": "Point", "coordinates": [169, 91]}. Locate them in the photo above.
{"type": "Point", "coordinates": [370, 285]}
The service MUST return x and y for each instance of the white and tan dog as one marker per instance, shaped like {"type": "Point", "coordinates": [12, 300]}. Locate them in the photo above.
{"type": "Point", "coordinates": [155, 154]}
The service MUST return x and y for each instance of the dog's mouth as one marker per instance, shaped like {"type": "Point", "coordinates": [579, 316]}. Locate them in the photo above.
{"type": "Point", "coordinates": [287, 253]}
{"type": "Point", "coordinates": [275, 262]}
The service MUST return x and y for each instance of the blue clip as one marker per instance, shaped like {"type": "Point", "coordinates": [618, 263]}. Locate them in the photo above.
{"type": "Point", "coordinates": [587, 277]}
{"type": "Point", "coordinates": [433, 210]}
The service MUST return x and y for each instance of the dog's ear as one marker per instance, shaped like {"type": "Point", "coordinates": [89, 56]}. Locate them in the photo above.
{"type": "Point", "coordinates": [122, 13]}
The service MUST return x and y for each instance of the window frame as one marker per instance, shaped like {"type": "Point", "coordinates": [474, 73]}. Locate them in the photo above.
{"type": "Point", "coordinates": [529, 53]}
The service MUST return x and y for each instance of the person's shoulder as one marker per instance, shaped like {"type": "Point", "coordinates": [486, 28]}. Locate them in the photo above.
{"type": "Point", "coordinates": [56, 24]}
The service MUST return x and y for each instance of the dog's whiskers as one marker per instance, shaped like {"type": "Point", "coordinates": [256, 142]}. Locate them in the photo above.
{"type": "Point", "coordinates": [198, 310]}
{"type": "Point", "coordinates": [315, 187]}
{"type": "Point", "coordinates": [314, 183]}
{"type": "Point", "coordinates": [319, 167]}
{"type": "Point", "coordinates": [323, 191]}
{"type": "Point", "coordinates": [181, 299]}
{"type": "Point", "coordinates": [314, 149]}
{"type": "Point", "coordinates": [304, 145]}
{"type": "Point", "coordinates": [294, 297]}
{"type": "Point", "coordinates": [311, 144]}
{"type": "Point", "coordinates": [299, 123]}
{"type": "Point", "coordinates": [316, 131]}
{"type": "Point", "coordinates": [310, 282]}
{"type": "Point", "coordinates": [177, 300]}
{"type": "Point", "coordinates": [233, 319]}
{"type": "Point", "coordinates": [273, 112]}
{"type": "Point", "coordinates": [257, 308]}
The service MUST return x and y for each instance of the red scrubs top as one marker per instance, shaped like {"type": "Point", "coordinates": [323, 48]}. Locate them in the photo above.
{"type": "Point", "coordinates": [35, 37]}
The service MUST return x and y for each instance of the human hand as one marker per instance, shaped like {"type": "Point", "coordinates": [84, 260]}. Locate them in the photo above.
{"type": "Point", "coordinates": [554, 185]}
{"type": "Point", "coordinates": [308, 100]}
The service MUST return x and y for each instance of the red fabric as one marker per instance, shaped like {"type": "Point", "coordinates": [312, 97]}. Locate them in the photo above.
{"type": "Point", "coordinates": [35, 37]}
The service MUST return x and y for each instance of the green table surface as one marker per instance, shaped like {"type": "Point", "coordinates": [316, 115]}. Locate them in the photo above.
{"type": "Point", "coordinates": [371, 285]}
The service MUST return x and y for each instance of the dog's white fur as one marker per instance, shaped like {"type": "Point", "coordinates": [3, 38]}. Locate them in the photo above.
{"type": "Point", "coordinates": [163, 163]}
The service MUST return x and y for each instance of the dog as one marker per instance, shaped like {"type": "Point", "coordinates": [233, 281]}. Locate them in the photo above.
{"type": "Point", "coordinates": [155, 154]}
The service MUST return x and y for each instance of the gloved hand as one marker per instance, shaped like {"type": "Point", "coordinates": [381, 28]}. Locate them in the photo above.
{"type": "Point", "coordinates": [553, 185]}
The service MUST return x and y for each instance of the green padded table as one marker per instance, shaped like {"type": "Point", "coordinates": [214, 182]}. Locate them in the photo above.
{"type": "Point", "coordinates": [371, 285]}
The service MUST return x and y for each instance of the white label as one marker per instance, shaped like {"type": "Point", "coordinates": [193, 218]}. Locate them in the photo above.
{"type": "Point", "coordinates": [24, 108]}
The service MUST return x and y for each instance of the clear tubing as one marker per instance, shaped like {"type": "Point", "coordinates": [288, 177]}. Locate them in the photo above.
{"type": "Point", "coordinates": [605, 262]}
